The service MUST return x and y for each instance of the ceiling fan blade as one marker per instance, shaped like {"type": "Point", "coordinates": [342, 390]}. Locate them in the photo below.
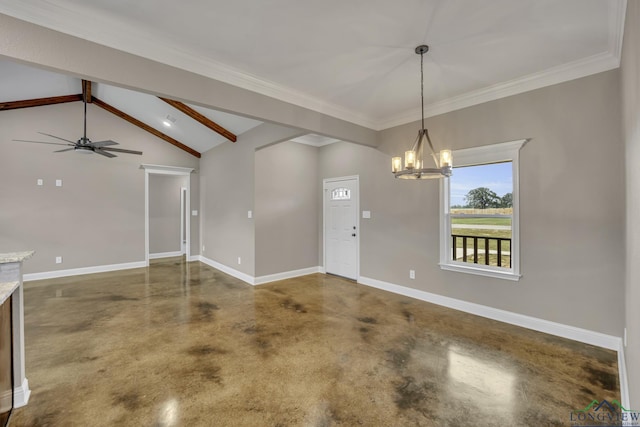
{"type": "Point", "coordinates": [42, 142]}
{"type": "Point", "coordinates": [104, 153]}
{"type": "Point", "coordinates": [66, 149]}
{"type": "Point", "coordinates": [104, 143]}
{"type": "Point", "coordinates": [120, 150]}
{"type": "Point", "coordinates": [56, 137]}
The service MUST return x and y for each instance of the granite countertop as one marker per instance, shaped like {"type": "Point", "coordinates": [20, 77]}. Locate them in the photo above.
{"type": "Point", "coordinates": [6, 289]}
{"type": "Point", "coordinates": [15, 256]}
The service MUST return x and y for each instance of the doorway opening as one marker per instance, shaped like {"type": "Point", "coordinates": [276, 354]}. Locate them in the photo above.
{"type": "Point", "coordinates": [184, 232]}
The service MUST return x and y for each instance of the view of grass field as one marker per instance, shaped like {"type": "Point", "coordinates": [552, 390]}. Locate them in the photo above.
{"type": "Point", "coordinates": [484, 230]}
{"type": "Point", "coordinates": [486, 211]}
{"type": "Point", "coordinates": [481, 212]}
{"type": "Point", "coordinates": [482, 221]}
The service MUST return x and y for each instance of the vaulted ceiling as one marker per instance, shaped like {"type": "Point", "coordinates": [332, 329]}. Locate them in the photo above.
{"type": "Point", "coordinates": [352, 60]}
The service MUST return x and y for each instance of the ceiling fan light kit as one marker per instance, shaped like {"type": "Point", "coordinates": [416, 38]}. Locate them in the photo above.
{"type": "Point", "coordinates": [414, 165]}
{"type": "Point", "coordinates": [85, 145]}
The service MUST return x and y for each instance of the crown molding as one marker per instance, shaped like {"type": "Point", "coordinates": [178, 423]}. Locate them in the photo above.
{"type": "Point", "coordinates": [563, 73]}
{"type": "Point", "coordinates": [315, 140]}
{"type": "Point", "coordinates": [142, 43]}
{"type": "Point", "coordinates": [617, 16]}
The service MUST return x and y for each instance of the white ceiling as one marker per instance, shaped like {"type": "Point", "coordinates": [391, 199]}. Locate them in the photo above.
{"type": "Point", "coordinates": [20, 82]}
{"type": "Point", "coordinates": [354, 59]}
{"type": "Point", "coordinates": [153, 111]}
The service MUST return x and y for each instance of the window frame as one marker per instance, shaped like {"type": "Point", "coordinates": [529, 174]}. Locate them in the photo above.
{"type": "Point", "coordinates": [494, 153]}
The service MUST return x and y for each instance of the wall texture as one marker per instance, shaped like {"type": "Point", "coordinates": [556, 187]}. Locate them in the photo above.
{"type": "Point", "coordinates": [631, 124]}
{"type": "Point", "coordinates": [97, 216]}
{"type": "Point", "coordinates": [164, 213]}
{"type": "Point", "coordinates": [572, 219]}
{"type": "Point", "coordinates": [286, 208]}
{"type": "Point", "coordinates": [227, 194]}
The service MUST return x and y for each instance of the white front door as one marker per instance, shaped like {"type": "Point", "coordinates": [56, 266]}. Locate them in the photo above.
{"type": "Point", "coordinates": [341, 227]}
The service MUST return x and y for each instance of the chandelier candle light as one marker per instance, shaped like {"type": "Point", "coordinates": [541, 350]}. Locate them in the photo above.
{"type": "Point", "coordinates": [414, 158]}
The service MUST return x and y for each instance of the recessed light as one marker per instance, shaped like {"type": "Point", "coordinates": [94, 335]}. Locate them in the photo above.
{"type": "Point", "coordinates": [169, 120]}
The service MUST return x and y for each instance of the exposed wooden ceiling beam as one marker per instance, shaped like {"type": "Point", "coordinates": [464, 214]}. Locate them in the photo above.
{"type": "Point", "coordinates": [38, 102]}
{"type": "Point", "coordinates": [200, 118]}
{"type": "Point", "coordinates": [144, 126]}
{"type": "Point", "coordinates": [86, 91]}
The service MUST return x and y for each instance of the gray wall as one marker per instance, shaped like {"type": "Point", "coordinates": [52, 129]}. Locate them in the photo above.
{"type": "Point", "coordinates": [286, 208]}
{"type": "Point", "coordinates": [631, 114]}
{"type": "Point", "coordinates": [164, 213]}
{"type": "Point", "coordinates": [97, 216]}
{"type": "Point", "coordinates": [572, 218]}
{"type": "Point", "coordinates": [227, 194]}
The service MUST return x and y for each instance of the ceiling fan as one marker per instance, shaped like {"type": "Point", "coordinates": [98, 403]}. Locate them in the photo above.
{"type": "Point", "coordinates": [84, 144]}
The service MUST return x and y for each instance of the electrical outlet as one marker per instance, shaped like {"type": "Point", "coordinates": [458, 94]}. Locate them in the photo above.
{"type": "Point", "coordinates": [58, 260]}
{"type": "Point", "coordinates": [40, 182]}
{"type": "Point", "coordinates": [412, 274]}
{"type": "Point", "coordinates": [194, 213]}
{"type": "Point", "coordinates": [58, 183]}
{"type": "Point", "coordinates": [249, 215]}
{"type": "Point", "coordinates": [239, 260]}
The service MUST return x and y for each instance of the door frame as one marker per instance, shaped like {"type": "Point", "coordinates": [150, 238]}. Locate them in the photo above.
{"type": "Point", "coordinates": [183, 218]}
{"type": "Point", "coordinates": [326, 181]}
{"type": "Point", "coordinates": [165, 170]}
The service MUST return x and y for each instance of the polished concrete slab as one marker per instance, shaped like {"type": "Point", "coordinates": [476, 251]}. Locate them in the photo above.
{"type": "Point", "coordinates": [184, 344]}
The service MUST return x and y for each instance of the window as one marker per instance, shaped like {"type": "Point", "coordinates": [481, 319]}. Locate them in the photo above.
{"type": "Point", "coordinates": [341, 194]}
{"type": "Point", "coordinates": [479, 224]}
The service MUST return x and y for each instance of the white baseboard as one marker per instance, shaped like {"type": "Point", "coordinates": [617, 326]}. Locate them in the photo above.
{"type": "Point", "coordinates": [261, 280]}
{"type": "Point", "coordinates": [83, 270]}
{"type": "Point", "coordinates": [230, 271]}
{"type": "Point", "coordinates": [21, 394]}
{"type": "Point", "coordinates": [165, 254]}
{"type": "Point", "coordinates": [565, 331]}
{"type": "Point", "coordinates": [624, 383]}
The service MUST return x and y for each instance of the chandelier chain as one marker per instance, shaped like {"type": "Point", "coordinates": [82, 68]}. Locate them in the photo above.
{"type": "Point", "coordinates": [422, 86]}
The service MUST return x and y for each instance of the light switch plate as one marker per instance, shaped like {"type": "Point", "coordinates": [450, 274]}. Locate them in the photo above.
{"type": "Point", "coordinates": [40, 182]}
{"type": "Point", "coordinates": [58, 183]}
{"type": "Point", "coordinates": [194, 213]}
{"type": "Point", "coordinates": [249, 214]}
{"type": "Point", "coordinates": [366, 214]}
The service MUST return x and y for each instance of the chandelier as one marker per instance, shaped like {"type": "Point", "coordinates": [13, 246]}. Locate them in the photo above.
{"type": "Point", "coordinates": [414, 166]}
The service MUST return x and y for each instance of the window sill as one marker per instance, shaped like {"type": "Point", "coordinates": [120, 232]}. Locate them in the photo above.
{"type": "Point", "coordinates": [482, 272]}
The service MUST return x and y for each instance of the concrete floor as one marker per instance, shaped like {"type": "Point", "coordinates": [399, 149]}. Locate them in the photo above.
{"type": "Point", "coordinates": [184, 344]}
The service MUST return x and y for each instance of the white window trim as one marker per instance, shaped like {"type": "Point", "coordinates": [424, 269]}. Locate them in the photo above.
{"type": "Point", "coordinates": [506, 151]}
